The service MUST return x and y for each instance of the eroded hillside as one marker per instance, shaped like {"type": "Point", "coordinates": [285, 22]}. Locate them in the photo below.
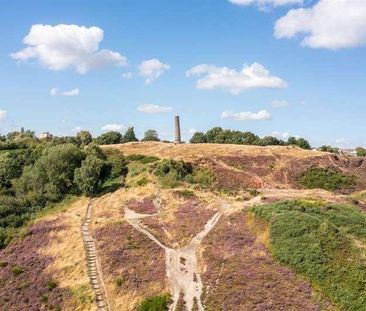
{"type": "Point", "coordinates": [235, 231]}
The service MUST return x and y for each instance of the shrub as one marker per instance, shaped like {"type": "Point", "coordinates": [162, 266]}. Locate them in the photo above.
{"type": "Point", "coordinates": [317, 241]}
{"type": "Point", "coordinates": [142, 182]}
{"type": "Point", "coordinates": [202, 176]}
{"type": "Point", "coordinates": [84, 138]}
{"type": "Point", "coordinates": [116, 163]}
{"type": "Point", "coordinates": [51, 284]}
{"type": "Point", "coordinates": [16, 270]}
{"type": "Point", "coordinates": [142, 158]}
{"type": "Point", "coordinates": [325, 178]}
{"type": "Point", "coordinates": [156, 303]}
{"type": "Point", "coordinates": [361, 152]}
{"type": "Point", "coordinates": [179, 168]}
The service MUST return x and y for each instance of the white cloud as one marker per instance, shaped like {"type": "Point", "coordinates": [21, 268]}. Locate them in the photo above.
{"type": "Point", "coordinates": [150, 108]}
{"type": "Point", "coordinates": [246, 116]}
{"type": "Point", "coordinates": [113, 127]}
{"type": "Point", "coordinates": [58, 92]}
{"type": "Point", "coordinates": [77, 129]}
{"type": "Point", "coordinates": [152, 69]}
{"type": "Point", "coordinates": [2, 115]}
{"type": "Point", "coordinates": [250, 77]}
{"type": "Point", "coordinates": [192, 131]}
{"type": "Point", "coordinates": [262, 3]}
{"type": "Point", "coordinates": [330, 24]}
{"type": "Point", "coordinates": [62, 47]}
{"type": "Point", "coordinates": [280, 135]}
{"type": "Point", "coordinates": [279, 103]}
{"type": "Point", "coordinates": [127, 75]}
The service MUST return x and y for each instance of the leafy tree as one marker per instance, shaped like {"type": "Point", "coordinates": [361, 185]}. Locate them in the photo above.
{"type": "Point", "coordinates": [84, 138]}
{"type": "Point", "coordinates": [327, 148]}
{"type": "Point", "coordinates": [51, 177]}
{"type": "Point", "coordinates": [269, 141]}
{"type": "Point", "coordinates": [299, 142]}
{"type": "Point", "coordinates": [198, 138]}
{"type": "Point", "coordinates": [129, 136]}
{"type": "Point", "coordinates": [88, 177]}
{"type": "Point", "coordinates": [213, 134]}
{"type": "Point", "coordinates": [151, 135]}
{"type": "Point", "coordinates": [116, 163]}
{"type": "Point", "coordinates": [361, 152]}
{"type": "Point", "coordinates": [109, 138]}
{"type": "Point", "coordinates": [10, 168]}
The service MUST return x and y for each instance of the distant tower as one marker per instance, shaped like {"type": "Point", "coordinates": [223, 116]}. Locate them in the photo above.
{"type": "Point", "coordinates": [177, 131]}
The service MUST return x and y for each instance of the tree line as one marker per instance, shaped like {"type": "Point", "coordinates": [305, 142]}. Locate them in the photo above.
{"type": "Point", "coordinates": [217, 135]}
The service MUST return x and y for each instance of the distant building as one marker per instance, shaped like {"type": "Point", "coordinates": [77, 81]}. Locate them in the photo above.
{"type": "Point", "coordinates": [350, 152]}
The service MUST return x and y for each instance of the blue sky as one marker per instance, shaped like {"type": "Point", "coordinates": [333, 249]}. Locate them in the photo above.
{"type": "Point", "coordinates": [320, 80]}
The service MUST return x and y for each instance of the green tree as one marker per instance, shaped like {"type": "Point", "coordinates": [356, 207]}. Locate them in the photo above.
{"type": "Point", "coordinates": [52, 175]}
{"type": "Point", "coordinates": [299, 142]}
{"type": "Point", "coordinates": [129, 136]}
{"type": "Point", "coordinates": [84, 138]}
{"type": "Point", "coordinates": [361, 152]}
{"type": "Point", "coordinates": [116, 163]}
{"type": "Point", "coordinates": [11, 166]}
{"type": "Point", "coordinates": [109, 138]}
{"type": "Point", "coordinates": [213, 134]}
{"type": "Point", "coordinates": [198, 138]}
{"type": "Point", "coordinates": [88, 177]}
{"type": "Point", "coordinates": [151, 135]}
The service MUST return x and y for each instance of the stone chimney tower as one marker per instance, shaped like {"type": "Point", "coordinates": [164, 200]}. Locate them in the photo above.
{"type": "Point", "coordinates": [177, 131]}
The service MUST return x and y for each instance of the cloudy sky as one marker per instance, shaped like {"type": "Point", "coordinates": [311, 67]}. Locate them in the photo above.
{"type": "Point", "coordinates": [280, 67]}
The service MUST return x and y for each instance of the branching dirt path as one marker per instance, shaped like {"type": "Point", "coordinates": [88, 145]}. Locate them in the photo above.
{"type": "Point", "coordinates": [94, 268]}
{"type": "Point", "coordinates": [181, 263]}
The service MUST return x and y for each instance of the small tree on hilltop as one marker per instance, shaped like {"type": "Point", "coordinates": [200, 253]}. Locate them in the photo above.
{"type": "Point", "coordinates": [129, 136]}
{"type": "Point", "coordinates": [361, 152]}
{"type": "Point", "coordinates": [198, 138]}
{"type": "Point", "coordinates": [84, 138]}
{"type": "Point", "coordinates": [151, 135]}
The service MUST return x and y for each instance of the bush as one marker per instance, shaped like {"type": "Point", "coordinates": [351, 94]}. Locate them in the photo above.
{"type": "Point", "coordinates": [116, 163]}
{"type": "Point", "coordinates": [84, 138]}
{"type": "Point", "coordinates": [109, 138]}
{"type": "Point", "coordinates": [202, 176]}
{"type": "Point", "coordinates": [156, 303]}
{"type": "Point", "coordinates": [317, 241]}
{"type": "Point", "coordinates": [179, 168]}
{"type": "Point", "coordinates": [88, 177]}
{"type": "Point", "coordinates": [141, 158]}
{"type": "Point", "coordinates": [16, 270]}
{"type": "Point", "coordinates": [325, 178]}
{"type": "Point", "coordinates": [51, 284]}
{"type": "Point", "coordinates": [361, 152]}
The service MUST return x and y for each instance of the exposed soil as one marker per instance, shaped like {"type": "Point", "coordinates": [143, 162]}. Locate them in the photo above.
{"type": "Point", "coordinates": [241, 275]}
{"type": "Point", "coordinates": [29, 290]}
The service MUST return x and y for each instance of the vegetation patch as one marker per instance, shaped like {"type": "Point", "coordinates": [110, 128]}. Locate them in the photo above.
{"type": "Point", "coordinates": [317, 240]}
{"type": "Point", "coordinates": [156, 303]}
{"type": "Point", "coordinates": [142, 158]}
{"type": "Point", "coordinates": [327, 179]}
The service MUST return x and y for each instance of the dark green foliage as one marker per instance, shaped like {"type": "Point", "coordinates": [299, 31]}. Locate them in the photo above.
{"type": "Point", "coordinates": [219, 136]}
{"type": "Point", "coordinates": [151, 135]}
{"type": "Point", "coordinates": [109, 138]}
{"type": "Point", "coordinates": [116, 163]}
{"type": "Point", "coordinates": [361, 152]}
{"type": "Point", "coordinates": [317, 240]}
{"type": "Point", "coordinates": [84, 138]}
{"type": "Point", "coordinates": [327, 148]}
{"type": "Point", "coordinates": [180, 168]}
{"type": "Point", "coordinates": [129, 136]}
{"type": "Point", "coordinates": [51, 177]}
{"type": "Point", "coordinates": [325, 178]}
{"type": "Point", "coordinates": [141, 158]}
{"type": "Point", "coordinates": [198, 138]}
{"type": "Point", "coordinates": [51, 284]}
{"type": "Point", "coordinates": [156, 303]}
{"type": "Point", "coordinates": [89, 177]}
{"type": "Point", "coordinates": [299, 142]}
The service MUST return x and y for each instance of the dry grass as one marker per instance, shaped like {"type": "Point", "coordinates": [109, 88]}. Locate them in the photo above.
{"type": "Point", "coordinates": [194, 151]}
{"type": "Point", "coordinates": [69, 264]}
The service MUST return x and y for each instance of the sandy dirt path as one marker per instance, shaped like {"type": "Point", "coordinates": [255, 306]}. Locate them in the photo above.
{"type": "Point", "coordinates": [181, 263]}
